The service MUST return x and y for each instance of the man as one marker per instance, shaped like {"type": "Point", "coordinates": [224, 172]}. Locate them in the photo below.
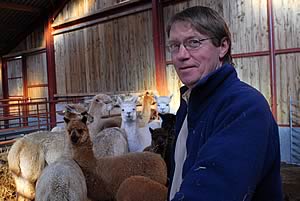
{"type": "Point", "coordinates": [227, 143]}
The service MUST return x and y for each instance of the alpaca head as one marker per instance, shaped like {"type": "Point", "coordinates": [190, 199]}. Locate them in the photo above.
{"type": "Point", "coordinates": [77, 111]}
{"type": "Point", "coordinates": [159, 138]}
{"type": "Point", "coordinates": [168, 120]}
{"type": "Point", "coordinates": [148, 99]}
{"type": "Point", "coordinates": [163, 103]}
{"type": "Point", "coordinates": [77, 130]}
{"type": "Point", "coordinates": [128, 108]}
{"type": "Point", "coordinates": [101, 104]}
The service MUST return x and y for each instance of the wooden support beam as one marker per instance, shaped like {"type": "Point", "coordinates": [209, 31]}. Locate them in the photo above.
{"type": "Point", "coordinates": [272, 59]}
{"type": "Point", "coordinates": [51, 71]}
{"type": "Point", "coordinates": [19, 7]}
{"type": "Point", "coordinates": [159, 48]}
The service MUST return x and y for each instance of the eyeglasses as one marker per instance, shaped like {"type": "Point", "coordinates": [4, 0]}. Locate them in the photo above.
{"type": "Point", "coordinates": [189, 45]}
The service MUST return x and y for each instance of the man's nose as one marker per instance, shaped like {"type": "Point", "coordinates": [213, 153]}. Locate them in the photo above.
{"type": "Point", "coordinates": [182, 53]}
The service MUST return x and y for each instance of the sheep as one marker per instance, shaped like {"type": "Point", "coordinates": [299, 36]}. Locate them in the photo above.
{"type": "Point", "coordinates": [62, 180]}
{"type": "Point", "coordinates": [105, 175]}
{"type": "Point", "coordinates": [139, 188]}
{"type": "Point", "coordinates": [138, 138]}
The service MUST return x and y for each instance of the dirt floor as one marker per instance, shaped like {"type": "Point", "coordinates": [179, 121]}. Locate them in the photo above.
{"type": "Point", "coordinates": [290, 181]}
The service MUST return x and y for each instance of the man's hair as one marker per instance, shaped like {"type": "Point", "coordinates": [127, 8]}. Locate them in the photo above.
{"type": "Point", "coordinates": [208, 22]}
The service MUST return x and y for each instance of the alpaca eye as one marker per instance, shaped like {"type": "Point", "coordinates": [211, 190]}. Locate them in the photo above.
{"type": "Point", "coordinates": [97, 100]}
{"type": "Point", "coordinates": [133, 109]}
{"type": "Point", "coordinates": [167, 104]}
{"type": "Point", "coordinates": [123, 110]}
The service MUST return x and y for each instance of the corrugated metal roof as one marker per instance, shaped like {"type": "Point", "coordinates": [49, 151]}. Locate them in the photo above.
{"type": "Point", "coordinates": [19, 18]}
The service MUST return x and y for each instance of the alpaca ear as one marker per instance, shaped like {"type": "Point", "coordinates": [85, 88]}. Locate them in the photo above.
{"type": "Point", "coordinates": [66, 120]}
{"type": "Point", "coordinates": [151, 130]}
{"type": "Point", "coordinates": [119, 100]}
{"type": "Point", "coordinates": [155, 97]}
{"type": "Point", "coordinates": [134, 99]}
{"type": "Point", "coordinates": [84, 119]}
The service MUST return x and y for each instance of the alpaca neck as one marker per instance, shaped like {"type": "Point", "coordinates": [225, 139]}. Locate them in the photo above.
{"type": "Point", "coordinates": [84, 155]}
{"type": "Point", "coordinates": [131, 130]}
{"type": "Point", "coordinates": [97, 124]}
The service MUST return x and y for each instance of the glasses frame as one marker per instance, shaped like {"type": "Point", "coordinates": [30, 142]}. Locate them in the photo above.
{"type": "Point", "coordinates": [185, 44]}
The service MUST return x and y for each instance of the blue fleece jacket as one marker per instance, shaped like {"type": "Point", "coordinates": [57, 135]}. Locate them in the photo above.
{"type": "Point", "coordinates": [233, 149]}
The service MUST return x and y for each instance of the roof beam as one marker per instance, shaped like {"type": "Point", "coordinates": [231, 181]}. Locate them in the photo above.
{"type": "Point", "coordinates": [7, 27]}
{"type": "Point", "coordinates": [19, 7]}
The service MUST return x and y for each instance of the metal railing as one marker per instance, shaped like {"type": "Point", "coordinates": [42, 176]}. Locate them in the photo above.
{"type": "Point", "coordinates": [21, 116]}
{"type": "Point", "coordinates": [294, 131]}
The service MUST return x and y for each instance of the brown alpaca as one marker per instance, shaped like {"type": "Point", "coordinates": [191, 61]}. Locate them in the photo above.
{"type": "Point", "coordinates": [139, 188]}
{"type": "Point", "coordinates": [105, 175]}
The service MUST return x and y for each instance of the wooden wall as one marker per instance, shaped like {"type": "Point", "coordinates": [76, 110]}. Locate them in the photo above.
{"type": "Point", "coordinates": [79, 8]}
{"type": "Point", "coordinates": [287, 35]}
{"type": "Point", "coordinates": [113, 56]}
{"type": "Point", "coordinates": [34, 40]}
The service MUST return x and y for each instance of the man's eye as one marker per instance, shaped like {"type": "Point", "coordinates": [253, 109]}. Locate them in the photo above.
{"type": "Point", "coordinates": [173, 46]}
{"type": "Point", "coordinates": [193, 43]}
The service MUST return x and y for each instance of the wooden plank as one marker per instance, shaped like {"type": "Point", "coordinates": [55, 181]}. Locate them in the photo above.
{"type": "Point", "coordinates": [255, 71]}
{"type": "Point", "coordinates": [288, 82]}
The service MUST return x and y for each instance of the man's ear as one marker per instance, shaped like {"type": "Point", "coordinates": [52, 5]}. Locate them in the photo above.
{"type": "Point", "coordinates": [66, 120]}
{"type": "Point", "coordinates": [224, 47]}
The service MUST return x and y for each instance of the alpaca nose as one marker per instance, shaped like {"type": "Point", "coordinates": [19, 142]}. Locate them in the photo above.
{"type": "Point", "coordinates": [74, 137]}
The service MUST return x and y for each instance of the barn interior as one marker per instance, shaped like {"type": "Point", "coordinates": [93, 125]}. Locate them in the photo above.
{"type": "Point", "coordinates": [54, 52]}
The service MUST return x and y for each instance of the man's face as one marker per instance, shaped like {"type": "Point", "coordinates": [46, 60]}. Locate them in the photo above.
{"type": "Point", "coordinates": [193, 64]}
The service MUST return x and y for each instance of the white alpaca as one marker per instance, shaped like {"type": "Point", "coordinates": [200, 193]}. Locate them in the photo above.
{"type": "Point", "coordinates": [138, 138]}
{"type": "Point", "coordinates": [163, 103]}
{"type": "Point", "coordinates": [62, 180]}
{"type": "Point", "coordinates": [163, 107]}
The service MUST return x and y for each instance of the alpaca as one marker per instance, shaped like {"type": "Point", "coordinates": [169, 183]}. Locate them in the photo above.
{"type": "Point", "coordinates": [168, 121]}
{"type": "Point", "coordinates": [105, 175]}
{"type": "Point", "coordinates": [159, 141]}
{"type": "Point", "coordinates": [27, 169]}
{"type": "Point", "coordinates": [138, 138]}
{"type": "Point", "coordinates": [52, 147]}
{"type": "Point", "coordinates": [137, 188]}
{"type": "Point", "coordinates": [62, 180]}
{"type": "Point", "coordinates": [101, 105]}
{"type": "Point", "coordinates": [146, 113]}
{"type": "Point", "coordinates": [163, 103]}
{"type": "Point", "coordinates": [163, 139]}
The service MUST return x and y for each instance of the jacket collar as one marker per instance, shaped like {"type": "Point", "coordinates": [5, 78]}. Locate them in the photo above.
{"type": "Point", "coordinates": [210, 82]}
